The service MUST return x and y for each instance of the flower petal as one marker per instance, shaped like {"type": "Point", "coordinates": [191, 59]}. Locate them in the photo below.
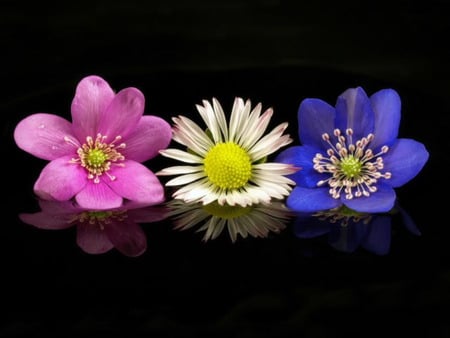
{"type": "Point", "coordinates": [378, 237]}
{"type": "Point", "coordinates": [151, 135]}
{"type": "Point", "coordinates": [136, 182]}
{"type": "Point", "coordinates": [43, 220]}
{"type": "Point", "coordinates": [92, 240]}
{"type": "Point", "coordinates": [404, 160]}
{"type": "Point", "coordinates": [348, 238]}
{"type": "Point", "coordinates": [42, 135]}
{"type": "Point", "coordinates": [380, 201]}
{"type": "Point", "coordinates": [92, 96]}
{"type": "Point", "coordinates": [59, 208]}
{"type": "Point", "coordinates": [311, 200]}
{"type": "Point", "coordinates": [123, 113]}
{"type": "Point", "coordinates": [309, 226]}
{"type": "Point", "coordinates": [353, 110]}
{"type": "Point", "coordinates": [127, 237]}
{"type": "Point", "coordinates": [148, 214]}
{"type": "Point", "coordinates": [301, 157]}
{"type": "Point", "coordinates": [386, 105]}
{"type": "Point", "coordinates": [60, 180]}
{"type": "Point", "coordinates": [98, 196]}
{"type": "Point", "coordinates": [315, 117]}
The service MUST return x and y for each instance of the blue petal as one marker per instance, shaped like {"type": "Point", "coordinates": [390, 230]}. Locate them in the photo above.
{"type": "Point", "coordinates": [302, 157]}
{"type": "Point", "coordinates": [311, 200]}
{"type": "Point", "coordinates": [315, 117]}
{"type": "Point", "coordinates": [353, 110]}
{"type": "Point", "coordinates": [386, 105]}
{"type": "Point", "coordinates": [380, 201]}
{"type": "Point", "coordinates": [309, 226]}
{"type": "Point", "coordinates": [347, 238]}
{"type": "Point", "coordinates": [408, 221]}
{"type": "Point", "coordinates": [378, 238]}
{"type": "Point", "coordinates": [404, 160]}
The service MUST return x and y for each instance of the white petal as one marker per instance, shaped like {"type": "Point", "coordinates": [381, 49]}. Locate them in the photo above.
{"type": "Point", "coordinates": [208, 115]}
{"type": "Point", "coordinates": [185, 179]}
{"type": "Point", "coordinates": [221, 119]}
{"type": "Point", "coordinates": [181, 155]}
{"type": "Point", "coordinates": [235, 119]}
{"type": "Point", "coordinates": [178, 170]}
{"type": "Point", "coordinates": [256, 129]}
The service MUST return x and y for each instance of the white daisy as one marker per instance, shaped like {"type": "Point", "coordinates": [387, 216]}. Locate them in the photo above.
{"type": "Point", "coordinates": [258, 220]}
{"type": "Point", "coordinates": [227, 161]}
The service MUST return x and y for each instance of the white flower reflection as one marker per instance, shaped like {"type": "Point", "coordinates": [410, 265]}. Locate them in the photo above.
{"type": "Point", "coordinates": [258, 220]}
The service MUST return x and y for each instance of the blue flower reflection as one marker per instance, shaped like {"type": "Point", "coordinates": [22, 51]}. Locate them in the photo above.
{"type": "Point", "coordinates": [347, 229]}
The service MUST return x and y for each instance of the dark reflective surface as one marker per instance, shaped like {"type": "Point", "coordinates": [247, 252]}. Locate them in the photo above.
{"type": "Point", "coordinates": [367, 278]}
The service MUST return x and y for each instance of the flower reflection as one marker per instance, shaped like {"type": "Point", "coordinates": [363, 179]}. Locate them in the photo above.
{"type": "Point", "coordinates": [257, 220]}
{"type": "Point", "coordinates": [348, 229]}
{"type": "Point", "coordinates": [98, 231]}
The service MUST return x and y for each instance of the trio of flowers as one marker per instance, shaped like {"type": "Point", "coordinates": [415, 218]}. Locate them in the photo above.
{"type": "Point", "coordinates": [350, 154]}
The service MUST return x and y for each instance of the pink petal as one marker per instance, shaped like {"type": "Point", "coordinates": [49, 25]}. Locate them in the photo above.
{"type": "Point", "coordinates": [98, 196]}
{"type": "Point", "coordinates": [92, 240]}
{"type": "Point", "coordinates": [43, 220]}
{"type": "Point", "coordinates": [123, 114]}
{"type": "Point", "coordinates": [60, 180]}
{"type": "Point", "coordinates": [137, 183]}
{"type": "Point", "coordinates": [127, 237]}
{"type": "Point", "coordinates": [151, 135]}
{"type": "Point", "coordinates": [59, 208]}
{"type": "Point", "coordinates": [42, 135]}
{"type": "Point", "coordinates": [148, 214]}
{"type": "Point", "coordinates": [92, 96]}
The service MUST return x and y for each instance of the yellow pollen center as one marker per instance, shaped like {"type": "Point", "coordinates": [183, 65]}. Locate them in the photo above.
{"type": "Point", "coordinates": [228, 166]}
{"type": "Point", "coordinates": [351, 166]}
{"type": "Point", "coordinates": [101, 218]}
{"type": "Point", "coordinates": [226, 211]}
{"type": "Point", "coordinates": [96, 157]}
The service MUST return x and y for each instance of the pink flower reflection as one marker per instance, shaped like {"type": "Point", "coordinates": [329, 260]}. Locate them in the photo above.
{"type": "Point", "coordinates": [98, 231]}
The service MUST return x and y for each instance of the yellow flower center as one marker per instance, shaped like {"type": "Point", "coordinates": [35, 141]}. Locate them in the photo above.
{"type": "Point", "coordinates": [226, 211]}
{"type": "Point", "coordinates": [351, 166]}
{"type": "Point", "coordinates": [101, 218]}
{"type": "Point", "coordinates": [97, 156]}
{"type": "Point", "coordinates": [228, 166]}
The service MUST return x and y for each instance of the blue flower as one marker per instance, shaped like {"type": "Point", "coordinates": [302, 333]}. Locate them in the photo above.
{"type": "Point", "coordinates": [347, 230]}
{"type": "Point", "coordinates": [351, 154]}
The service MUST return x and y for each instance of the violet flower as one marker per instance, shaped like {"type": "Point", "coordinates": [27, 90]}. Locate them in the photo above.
{"type": "Point", "coordinates": [97, 159]}
{"type": "Point", "coordinates": [350, 155]}
{"type": "Point", "coordinates": [99, 231]}
{"type": "Point", "coordinates": [347, 230]}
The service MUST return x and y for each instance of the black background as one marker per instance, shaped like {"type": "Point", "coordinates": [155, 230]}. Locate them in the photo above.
{"type": "Point", "coordinates": [178, 53]}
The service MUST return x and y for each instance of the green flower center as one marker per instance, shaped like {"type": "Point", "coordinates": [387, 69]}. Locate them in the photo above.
{"type": "Point", "coordinates": [101, 218]}
{"type": "Point", "coordinates": [351, 166]}
{"type": "Point", "coordinates": [228, 166]}
{"type": "Point", "coordinates": [226, 211]}
{"type": "Point", "coordinates": [343, 216]}
{"type": "Point", "coordinates": [97, 156]}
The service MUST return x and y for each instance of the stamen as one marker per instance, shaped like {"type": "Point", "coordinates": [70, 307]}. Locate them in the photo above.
{"type": "Point", "coordinates": [97, 156]}
{"type": "Point", "coordinates": [353, 167]}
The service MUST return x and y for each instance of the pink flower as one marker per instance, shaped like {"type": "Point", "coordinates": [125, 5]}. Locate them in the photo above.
{"type": "Point", "coordinates": [99, 231]}
{"type": "Point", "coordinates": [97, 158]}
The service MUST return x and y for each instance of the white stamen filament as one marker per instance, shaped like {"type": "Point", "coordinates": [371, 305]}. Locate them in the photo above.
{"type": "Point", "coordinates": [354, 168]}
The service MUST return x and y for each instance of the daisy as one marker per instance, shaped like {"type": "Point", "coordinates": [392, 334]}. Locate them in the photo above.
{"type": "Point", "coordinates": [227, 162]}
{"type": "Point", "coordinates": [258, 220]}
